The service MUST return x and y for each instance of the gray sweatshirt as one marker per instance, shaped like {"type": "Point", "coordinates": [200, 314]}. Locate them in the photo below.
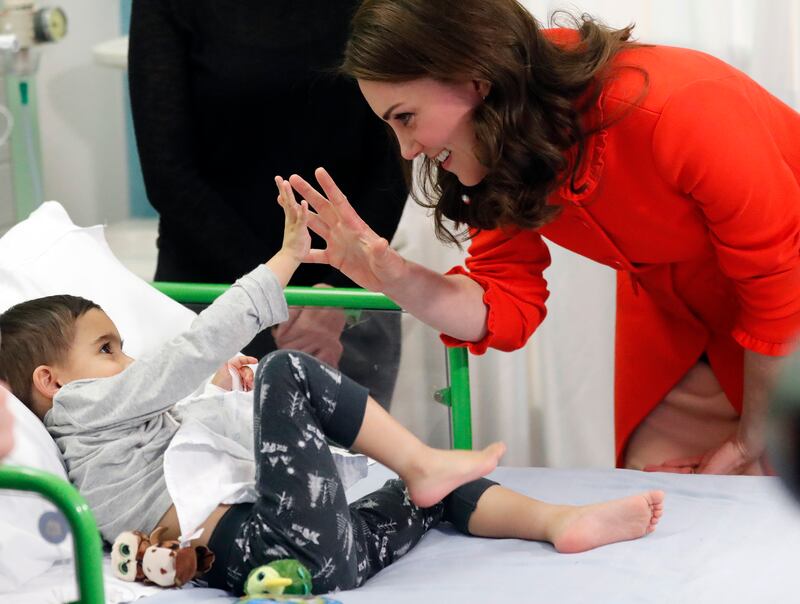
{"type": "Point", "coordinates": [113, 432]}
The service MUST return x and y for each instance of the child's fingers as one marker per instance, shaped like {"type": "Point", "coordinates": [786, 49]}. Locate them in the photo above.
{"type": "Point", "coordinates": [291, 208]}
{"type": "Point", "coordinates": [303, 213]}
{"type": "Point", "coordinates": [288, 192]}
{"type": "Point", "coordinates": [240, 361]}
{"type": "Point", "coordinates": [287, 200]}
{"type": "Point", "coordinates": [247, 377]}
{"type": "Point", "coordinates": [281, 198]}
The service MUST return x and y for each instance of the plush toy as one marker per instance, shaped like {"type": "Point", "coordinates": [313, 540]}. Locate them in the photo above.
{"type": "Point", "coordinates": [285, 581]}
{"type": "Point", "coordinates": [167, 564]}
{"type": "Point", "coordinates": [278, 577]}
{"type": "Point", "coordinates": [139, 557]}
{"type": "Point", "coordinates": [126, 555]}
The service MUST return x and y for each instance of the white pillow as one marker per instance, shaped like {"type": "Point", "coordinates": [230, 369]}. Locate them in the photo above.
{"type": "Point", "coordinates": [47, 254]}
{"type": "Point", "coordinates": [44, 255]}
{"type": "Point", "coordinates": [24, 551]}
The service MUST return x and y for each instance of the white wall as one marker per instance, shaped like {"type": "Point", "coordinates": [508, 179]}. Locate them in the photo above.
{"type": "Point", "coordinates": [760, 38]}
{"type": "Point", "coordinates": [81, 117]}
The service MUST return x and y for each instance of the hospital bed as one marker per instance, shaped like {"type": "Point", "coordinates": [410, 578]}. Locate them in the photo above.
{"type": "Point", "coordinates": [729, 539]}
{"type": "Point", "coordinates": [722, 538]}
{"type": "Point", "coordinates": [86, 541]}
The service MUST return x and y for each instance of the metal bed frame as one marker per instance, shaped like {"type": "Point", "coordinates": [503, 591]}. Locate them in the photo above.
{"type": "Point", "coordinates": [87, 545]}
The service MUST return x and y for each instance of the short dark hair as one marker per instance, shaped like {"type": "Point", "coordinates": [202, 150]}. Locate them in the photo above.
{"type": "Point", "coordinates": [37, 332]}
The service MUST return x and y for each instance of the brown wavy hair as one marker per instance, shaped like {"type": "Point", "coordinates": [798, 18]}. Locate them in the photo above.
{"type": "Point", "coordinates": [531, 116]}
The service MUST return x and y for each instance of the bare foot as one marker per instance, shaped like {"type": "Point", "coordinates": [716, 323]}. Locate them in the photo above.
{"type": "Point", "coordinates": [443, 471]}
{"type": "Point", "coordinates": [588, 526]}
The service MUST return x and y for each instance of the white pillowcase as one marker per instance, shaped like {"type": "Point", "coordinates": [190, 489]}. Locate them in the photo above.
{"type": "Point", "coordinates": [47, 254]}
{"type": "Point", "coordinates": [44, 255]}
{"type": "Point", "coordinates": [24, 553]}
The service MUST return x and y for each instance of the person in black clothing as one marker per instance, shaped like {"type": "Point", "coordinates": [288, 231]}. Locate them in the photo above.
{"type": "Point", "coordinates": [226, 94]}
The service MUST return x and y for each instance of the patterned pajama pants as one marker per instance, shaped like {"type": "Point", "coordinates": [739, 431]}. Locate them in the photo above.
{"type": "Point", "coordinates": [301, 511]}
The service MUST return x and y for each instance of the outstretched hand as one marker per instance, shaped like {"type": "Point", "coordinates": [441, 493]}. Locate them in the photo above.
{"type": "Point", "coordinates": [296, 239]}
{"type": "Point", "coordinates": [316, 331]}
{"type": "Point", "coordinates": [352, 246]}
{"type": "Point", "coordinates": [731, 457]}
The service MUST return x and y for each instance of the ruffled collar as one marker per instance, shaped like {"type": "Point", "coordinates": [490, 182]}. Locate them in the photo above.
{"type": "Point", "coordinates": [593, 160]}
{"type": "Point", "coordinates": [591, 167]}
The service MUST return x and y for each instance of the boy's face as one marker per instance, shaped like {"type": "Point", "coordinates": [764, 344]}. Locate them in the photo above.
{"type": "Point", "coordinates": [96, 350]}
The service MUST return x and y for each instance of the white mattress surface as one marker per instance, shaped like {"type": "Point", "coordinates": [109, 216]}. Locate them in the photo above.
{"type": "Point", "coordinates": [722, 539]}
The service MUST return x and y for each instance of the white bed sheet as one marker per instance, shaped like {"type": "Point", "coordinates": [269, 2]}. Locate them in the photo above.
{"type": "Point", "coordinates": [58, 585]}
{"type": "Point", "coordinates": [722, 539]}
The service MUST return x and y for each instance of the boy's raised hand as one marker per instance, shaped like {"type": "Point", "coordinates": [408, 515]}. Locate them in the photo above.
{"type": "Point", "coordinates": [296, 238]}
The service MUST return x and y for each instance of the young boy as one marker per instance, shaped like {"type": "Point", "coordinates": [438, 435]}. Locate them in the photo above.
{"type": "Point", "coordinates": [114, 417]}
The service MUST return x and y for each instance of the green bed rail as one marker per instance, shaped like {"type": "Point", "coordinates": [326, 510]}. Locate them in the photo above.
{"type": "Point", "coordinates": [86, 542]}
{"type": "Point", "coordinates": [456, 395]}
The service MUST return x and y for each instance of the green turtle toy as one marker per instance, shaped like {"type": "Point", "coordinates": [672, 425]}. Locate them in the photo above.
{"type": "Point", "coordinates": [281, 581]}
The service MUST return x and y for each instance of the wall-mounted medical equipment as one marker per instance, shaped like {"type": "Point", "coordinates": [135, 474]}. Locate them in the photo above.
{"type": "Point", "coordinates": [24, 27]}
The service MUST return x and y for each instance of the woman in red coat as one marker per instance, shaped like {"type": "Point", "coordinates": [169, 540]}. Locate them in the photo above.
{"type": "Point", "coordinates": [666, 164]}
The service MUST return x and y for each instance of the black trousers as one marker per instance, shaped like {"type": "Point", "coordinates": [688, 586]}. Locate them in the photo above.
{"type": "Point", "coordinates": [301, 511]}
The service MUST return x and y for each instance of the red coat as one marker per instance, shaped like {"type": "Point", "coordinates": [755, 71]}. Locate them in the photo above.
{"type": "Point", "coordinates": [694, 197]}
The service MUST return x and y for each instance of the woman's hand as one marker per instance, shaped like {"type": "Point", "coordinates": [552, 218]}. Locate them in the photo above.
{"type": "Point", "coordinates": [743, 452]}
{"type": "Point", "coordinates": [731, 457]}
{"type": "Point", "coordinates": [239, 365]}
{"type": "Point", "coordinates": [352, 246]}
{"type": "Point", "coordinates": [315, 331]}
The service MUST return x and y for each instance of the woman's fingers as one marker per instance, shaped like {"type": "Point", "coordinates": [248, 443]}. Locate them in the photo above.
{"type": "Point", "coordinates": [332, 190]}
{"type": "Point", "coordinates": [317, 257]}
{"type": "Point", "coordinates": [669, 469]}
{"type": "Point", "coordinates": [337, 199]}
{"type": "Point", "coordinates": [693, 461]}
{"type": "Point", "coordinates": [316, 224]}
{"type": "Point", "coordinates": [316, 200]}
{"type": "Point", "coordinates": [331, 208]}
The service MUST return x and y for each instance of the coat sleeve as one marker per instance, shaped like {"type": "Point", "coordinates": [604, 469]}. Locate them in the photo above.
{"type": "Point", "coordinates": [508, 265]}
{"type": "Point", "coordinates": [720, 143]}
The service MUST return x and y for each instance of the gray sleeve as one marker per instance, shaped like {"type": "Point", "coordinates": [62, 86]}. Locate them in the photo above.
{"type": "Point", "coordinates": [155, 382]}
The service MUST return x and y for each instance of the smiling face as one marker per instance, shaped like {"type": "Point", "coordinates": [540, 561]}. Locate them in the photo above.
{"type": "Point", "coordinates": [434, 118]}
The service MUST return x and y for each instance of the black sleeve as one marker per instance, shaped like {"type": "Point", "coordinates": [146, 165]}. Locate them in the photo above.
{"type": "Point", "coordinates": [161, 105]}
